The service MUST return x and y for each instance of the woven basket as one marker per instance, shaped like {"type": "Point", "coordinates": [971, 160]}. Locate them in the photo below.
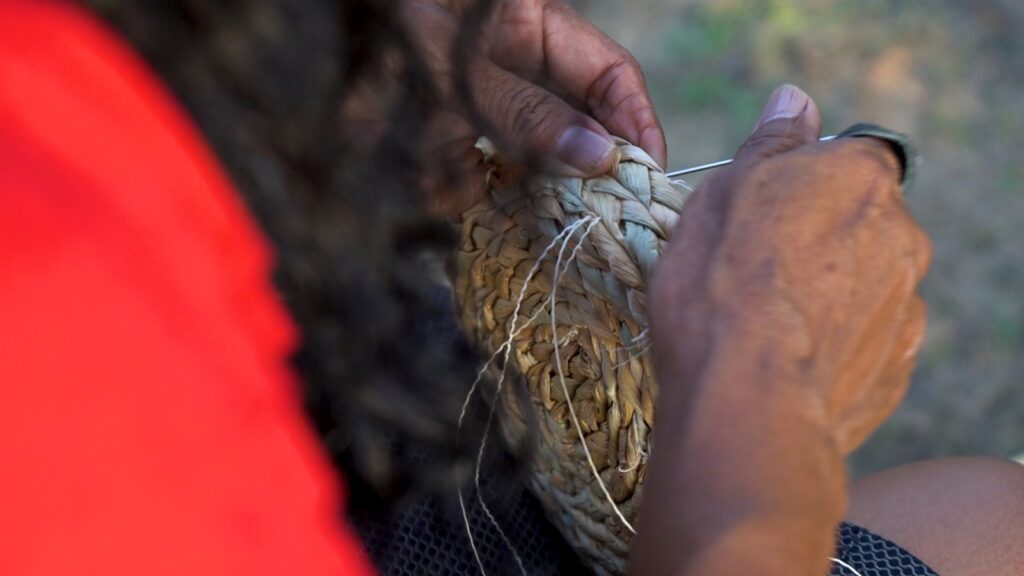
{"type": "Point", "coordinates": [601, 328]}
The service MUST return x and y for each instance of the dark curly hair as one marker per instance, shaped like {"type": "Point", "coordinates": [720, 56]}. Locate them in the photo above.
{"type": "Point", "coordinates": [265, 81]}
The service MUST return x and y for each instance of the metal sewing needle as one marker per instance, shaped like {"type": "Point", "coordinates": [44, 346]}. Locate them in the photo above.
{"type": "Point", "coordinates": [721, 163]}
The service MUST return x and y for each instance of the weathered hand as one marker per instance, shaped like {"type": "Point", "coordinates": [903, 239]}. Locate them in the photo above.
{"type": "Point", "coordinates": [544, 78]}
{"type": "Point", "coordinates": [801, 261]}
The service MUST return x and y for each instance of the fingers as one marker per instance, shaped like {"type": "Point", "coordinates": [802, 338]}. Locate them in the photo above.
{"type": "Point", "coordinates": [884, 395]}
{"type": "Point", "coordinates": [529, 118]}
{"type": "Point", "coordinates": [455, 177]}
{"type": "Point", "coordinates": [789, 120]}
{"type": "Point", "coordinates": [457, 182]}
{"type": "Point", "coordinates": [520, 115]}
{"type": "Point", "coordinates": [517, 42]}
{"type": "Point", "coordinates": [887, 313]}
{"type": "Point", "coordinates": [904, 356]}
{"type": "Point", "coordinates": [526, 40]}
{"type": "Point", "coordinates": [871, 186]}
{"type": "Point", "coordinates": [580, 61]}
{"type": "Point", "coordinates": [594, 69]}
{"type": "Point", "coordinates": [878, 156]}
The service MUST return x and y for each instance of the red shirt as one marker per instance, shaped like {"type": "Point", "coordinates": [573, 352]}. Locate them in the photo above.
{"type": "Point", "coordinates": [149, 420]}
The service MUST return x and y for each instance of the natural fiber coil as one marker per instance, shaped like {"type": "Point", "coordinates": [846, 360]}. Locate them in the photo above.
{"type": "Point", "coordinates": [601, 328]}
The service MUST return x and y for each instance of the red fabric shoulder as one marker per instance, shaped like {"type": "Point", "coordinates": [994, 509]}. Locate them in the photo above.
{"type": "Point", "coordinates": [149, 421]}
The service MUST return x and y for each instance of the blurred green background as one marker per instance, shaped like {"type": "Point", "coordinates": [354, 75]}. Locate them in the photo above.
{"type": "Point", "coordinates": [950, 74]}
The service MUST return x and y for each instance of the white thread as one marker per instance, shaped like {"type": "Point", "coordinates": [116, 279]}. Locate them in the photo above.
{"type": "Point", "coordinates": [640, 340]}
{"type": "Point", "coordinates": [515, 313]}
{"type": "Point", "coordinates": [564, 235]}
{"type": "Point", "coordinates": [630, 469]}
{"type": "Point", "coordinates": [469, 532]}
{"type": "Point", "coordinates": [500, 383]}
{"type": "Point", "coordinates": [643, 458]}
{"type": "Point", "coordinates": [847, 566]}
{"type": "Point", "coordinates": [682, 183]}
{"type": "Point", "coordinates": [462, 504]}
{"type": "Point", "coordinates": [568, 399]}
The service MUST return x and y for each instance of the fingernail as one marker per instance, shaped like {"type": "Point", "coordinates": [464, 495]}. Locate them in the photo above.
{"type": "Point", "coordinates": [583, 149]}
{"type": "Point", "coordinates": [787, 101]}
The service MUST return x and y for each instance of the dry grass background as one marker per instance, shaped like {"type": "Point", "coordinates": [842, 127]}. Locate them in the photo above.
{"type": "Point", "coordinates": [948, 72]}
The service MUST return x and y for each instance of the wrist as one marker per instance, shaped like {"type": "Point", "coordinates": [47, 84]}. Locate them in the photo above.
{"type": "Point", "coordinates": [747, 466]}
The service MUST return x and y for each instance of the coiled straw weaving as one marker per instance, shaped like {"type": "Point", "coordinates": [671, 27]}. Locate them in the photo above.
{"type": "Point", "coordinates": [605, 235]}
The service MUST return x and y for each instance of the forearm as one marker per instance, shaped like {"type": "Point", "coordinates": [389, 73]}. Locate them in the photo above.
{"type": "Point", "coordinates": [784, 323]}
{"type": "Point", "coordinates": [746, 479]}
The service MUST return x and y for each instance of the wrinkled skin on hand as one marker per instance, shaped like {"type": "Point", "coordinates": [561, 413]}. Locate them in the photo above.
{"type": "Point", "coordinates": [802, 259]}
{"type": "Point", "coordinates": [543, 81]}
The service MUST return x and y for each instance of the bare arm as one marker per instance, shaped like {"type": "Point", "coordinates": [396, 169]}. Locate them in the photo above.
{"type": "Point", "coordinates": [785, 322]}
{"type": "Point", "coordinates": [748, 481]}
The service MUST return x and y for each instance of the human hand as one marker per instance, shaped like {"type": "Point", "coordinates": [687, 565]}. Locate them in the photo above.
{"type": "Point", "coordinates": [801, 261]}
{"type": "Point", "coordinates": [547, 82]}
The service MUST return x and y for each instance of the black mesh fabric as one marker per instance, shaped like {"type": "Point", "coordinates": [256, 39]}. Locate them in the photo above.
{"type": "Point", "coordinates": [429, 538]}
{"type": "Point", "coordinates": [871, 555]}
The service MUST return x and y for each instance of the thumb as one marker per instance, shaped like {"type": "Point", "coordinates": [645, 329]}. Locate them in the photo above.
{"type": "Point", "coordinates": [529, 118]}
{"type": "Point", "coordinates": [789, 120]}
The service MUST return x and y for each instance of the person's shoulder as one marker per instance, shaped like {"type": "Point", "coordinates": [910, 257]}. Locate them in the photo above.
{"type": "Point", "coordinates": [28, 26]}
{"type": "Point", "coordinates": [83, 117]}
